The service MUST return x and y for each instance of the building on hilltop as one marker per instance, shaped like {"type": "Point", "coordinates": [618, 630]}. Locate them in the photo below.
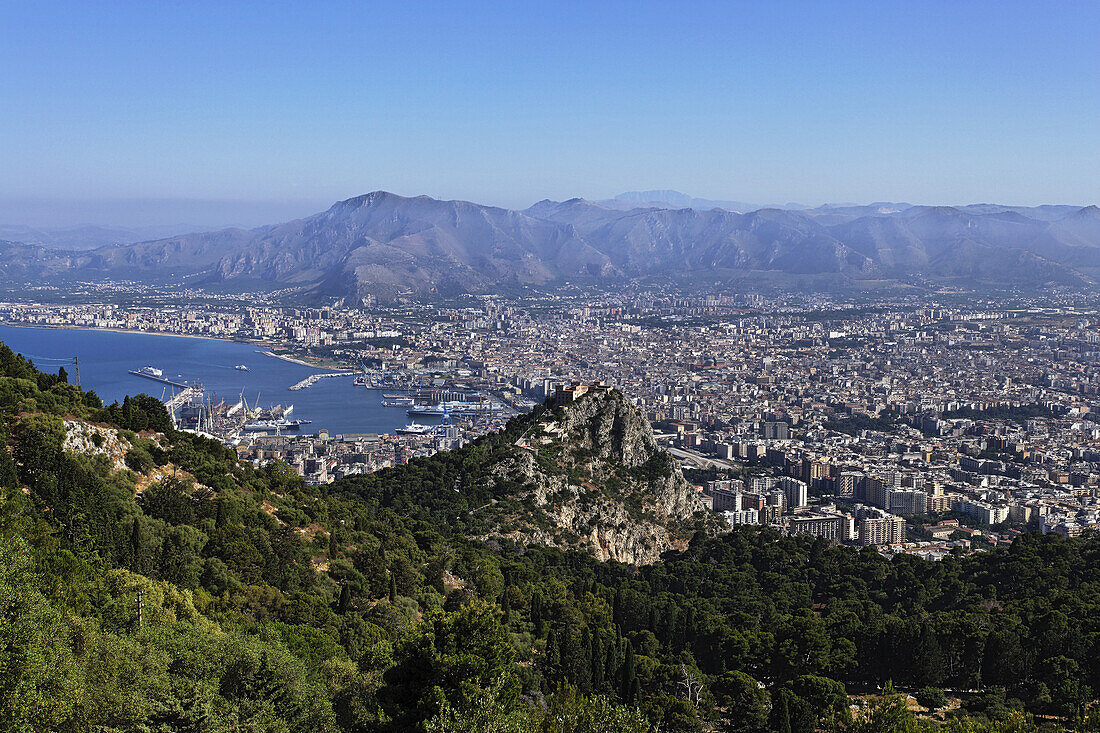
{"type": "Point", "coordinates": [572, 392]}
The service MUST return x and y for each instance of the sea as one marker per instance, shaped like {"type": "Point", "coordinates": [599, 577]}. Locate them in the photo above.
{"type": "Point", "coordinates": [106, 357]}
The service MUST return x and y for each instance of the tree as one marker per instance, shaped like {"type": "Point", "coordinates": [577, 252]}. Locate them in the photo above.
{"type": "Point", "coordinates": [553, 653]}
{"type": "Point", "coordinates": [932, 698]}
{"type": "Point", "coordinates": [450, 659]}
{"type": "Point", "coordinates": [345, 598]}
{"type": "Point", "coordinates": [816, 702]}
{"type": "Point", "coordinates": [1002, 658]}
{"type": "Point", "coordinates": [629, 674]}
{"type": "Point", "coordinates": [746, 703]}
{"type": "Point", "coordinates": [781, 719]}
{"type": "Point", "coordinates": [928, 659]}
{"type": "Point", "coordinates": [137, 545]}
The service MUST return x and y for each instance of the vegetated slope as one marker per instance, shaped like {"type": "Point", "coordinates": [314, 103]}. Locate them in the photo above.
{"type": "Point", "coordinates": [190, 592]}
{"type": "Point", "coordinates": [388, 246]}
{"type": "Point", "coordinates": [583, 475]}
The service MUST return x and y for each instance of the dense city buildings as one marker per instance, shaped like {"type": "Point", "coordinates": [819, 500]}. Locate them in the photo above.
{"type": "Point", "coordinates": [867, 422]}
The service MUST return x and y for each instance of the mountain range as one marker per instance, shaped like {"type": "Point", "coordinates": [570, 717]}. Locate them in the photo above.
{"type": "Point", "coordinates": [389, 246]}
{"type": "Point", "coordinates": [91, 236]}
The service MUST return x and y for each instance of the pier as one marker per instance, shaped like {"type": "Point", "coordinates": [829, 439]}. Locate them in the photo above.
{"type": "Point", "coordinates": [181, 398]}
{"type": "Point", "coordinates": [313, 379]}
{"type": "Point", "coordinates": [162, 380]}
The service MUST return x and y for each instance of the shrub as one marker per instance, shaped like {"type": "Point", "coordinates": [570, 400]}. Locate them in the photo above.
{"type": "Point", "coordinates": [932, 698]}
{"type": "Point", "coordinates": [138, 459]}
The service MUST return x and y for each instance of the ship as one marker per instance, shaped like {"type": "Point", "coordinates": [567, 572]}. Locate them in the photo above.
{"type": "Point", "coordinates": [454, 408]}
{"type": "Point", "coordinates": [157, 375]}
{"type": "Point", "coordinates": [272, 426]}
{"type": "Point", "coordinates": [397, 401]}
{"type": "Point", "coordinates": [242, 367]}
{"type": "Point", "coordinates": [415, 428]}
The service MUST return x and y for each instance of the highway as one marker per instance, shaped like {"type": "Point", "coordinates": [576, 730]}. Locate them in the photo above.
{"type": "Point", "coordinates": [699, 459]}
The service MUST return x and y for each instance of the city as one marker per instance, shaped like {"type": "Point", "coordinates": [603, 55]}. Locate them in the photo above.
{"type": "Point", "coordinates": [918, 427]}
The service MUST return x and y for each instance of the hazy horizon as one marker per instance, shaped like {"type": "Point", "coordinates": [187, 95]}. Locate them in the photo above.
{"type": "Point", "coordinates": [217, 214]}
{"type": "Point", "coordinates": [301, 106]}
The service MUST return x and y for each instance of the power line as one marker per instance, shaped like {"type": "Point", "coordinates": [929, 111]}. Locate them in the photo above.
{"type": "Point", "coordinates": [57, 361]}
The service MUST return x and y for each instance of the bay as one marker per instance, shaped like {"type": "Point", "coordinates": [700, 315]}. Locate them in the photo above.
{"type": "Point", "coordinates": [107, 356]}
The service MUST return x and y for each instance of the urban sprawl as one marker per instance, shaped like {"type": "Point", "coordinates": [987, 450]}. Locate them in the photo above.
{"type": "Point", "coordinates": [928, 427]}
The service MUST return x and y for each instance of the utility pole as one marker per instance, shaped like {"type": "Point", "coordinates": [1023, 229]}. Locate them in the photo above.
{"type": "Point", "coordinates": [140, 606]}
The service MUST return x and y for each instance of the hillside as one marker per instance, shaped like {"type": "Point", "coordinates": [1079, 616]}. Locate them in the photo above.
{"type": "Point", "coordinates": [150, 581]}
{"type": "Point", "coordinates": [585, 475]}
{"type": "Point", "coordinates": [388, 246]}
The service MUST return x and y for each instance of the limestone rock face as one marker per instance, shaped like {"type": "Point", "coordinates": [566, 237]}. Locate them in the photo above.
{"type": "Point", "coordinates": [596, 480]}
{"type": "Point", "coordinates": [83, 437]}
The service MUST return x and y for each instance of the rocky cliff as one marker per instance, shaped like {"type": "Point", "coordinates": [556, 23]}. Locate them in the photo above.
{"type": "Point", "coordinates": [592, 477]}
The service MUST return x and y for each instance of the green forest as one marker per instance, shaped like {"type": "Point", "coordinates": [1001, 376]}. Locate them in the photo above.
{"type": "Point", "coordinates": [185, 591]}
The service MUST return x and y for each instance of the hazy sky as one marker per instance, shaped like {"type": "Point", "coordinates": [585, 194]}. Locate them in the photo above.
{"type": "Point", "coordinates": [297, 105]}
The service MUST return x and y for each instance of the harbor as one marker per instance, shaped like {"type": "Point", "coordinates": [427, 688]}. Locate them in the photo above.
{"type": "Point", "coordinates": [230, 422]}
{"type": "Point", "coordinates": [333, 428]}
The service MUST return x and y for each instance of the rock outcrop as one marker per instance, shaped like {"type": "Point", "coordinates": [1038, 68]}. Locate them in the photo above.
{"type": "Point", "coordinates": [594, 478]}
{"type": "Point", "coordinates": [89, 439]}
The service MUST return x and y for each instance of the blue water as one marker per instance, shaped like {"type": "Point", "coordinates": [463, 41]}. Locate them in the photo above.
{"type": "Point", "coordinates": [105, 356]}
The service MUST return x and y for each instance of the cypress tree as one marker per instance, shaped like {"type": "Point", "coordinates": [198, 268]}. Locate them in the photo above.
{"type": "Point", "coordinates": [537, 614]}
{"type": "Point", "coordinates": [393, 587]}
{"type": "Point", "coordinates": [345, 597]}
{"type": "Point", "coordinates": [596, 661]}
{"type": "Point", "coordinates": [783, 717]}
{"type": "Point", "coordinates": [583, 664]}
{"type": "Point", "coordinates": [569, 654]}
{"type": "Point", "coordinates": [611, 661]}
{"type": "Point", "coordinates": [629, 673]}
{"type": "Point", "coordinates": [553, 652]}
{"type": "Point", "coordinates": [332, 548]}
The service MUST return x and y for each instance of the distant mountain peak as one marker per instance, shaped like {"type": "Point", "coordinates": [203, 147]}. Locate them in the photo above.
{"type": "Point", "coordinates": [367, 199]}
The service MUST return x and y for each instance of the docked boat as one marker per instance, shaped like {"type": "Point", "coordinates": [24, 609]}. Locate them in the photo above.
{"type": "Point", "coordinates": [455, 408]}
{"type": "Point", "coordinates": [415, 428]}
{"type": "Point", "coordinates": [157, 375]}
{"type": "Point", "coordinates": [272, 426]}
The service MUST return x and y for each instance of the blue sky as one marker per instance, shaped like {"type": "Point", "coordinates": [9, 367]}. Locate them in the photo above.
{"type": "Point", "coordinates": [301, 104]}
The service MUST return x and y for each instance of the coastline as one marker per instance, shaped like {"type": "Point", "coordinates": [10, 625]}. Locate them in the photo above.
{"type": "Point", "coordinates": [267, 345]}
{"type": "Point", "coordinates": [55, 327]}
{"type": "Point", "coordinates": [295, 360]}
